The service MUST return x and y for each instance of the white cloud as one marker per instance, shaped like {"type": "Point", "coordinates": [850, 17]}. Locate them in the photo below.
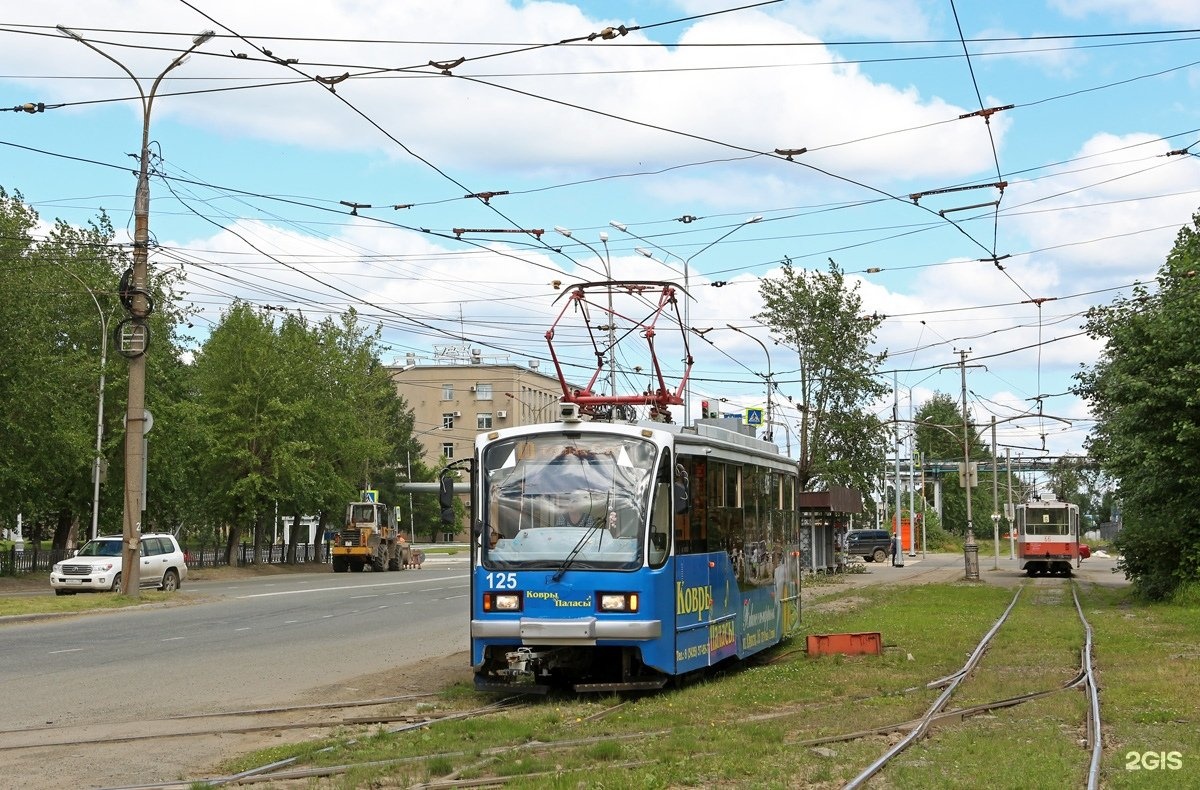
{"type": "Point", "coordinates": [462, 124]}
{"type": "Point", "coordinates": [1113, 212]}
{"type": "Point", "coordinates": [1173, 12]}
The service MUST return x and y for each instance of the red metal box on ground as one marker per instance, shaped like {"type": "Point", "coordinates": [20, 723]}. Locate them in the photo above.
{"type": "Point", "coordinates": [847, 644]}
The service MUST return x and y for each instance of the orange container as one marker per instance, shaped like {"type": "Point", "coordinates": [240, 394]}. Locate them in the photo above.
{"type": "Point", "coordinates": [869, 643]}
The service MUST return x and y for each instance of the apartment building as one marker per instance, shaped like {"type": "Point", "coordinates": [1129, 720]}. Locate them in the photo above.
{"type": "Point", "coordinates": [458, 394]}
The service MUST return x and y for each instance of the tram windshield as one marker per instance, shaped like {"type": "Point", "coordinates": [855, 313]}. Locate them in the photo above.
{"type": "Point", "coordinates": [1047, 521]}
{"type": "Point", "coordinates": [556, 500]}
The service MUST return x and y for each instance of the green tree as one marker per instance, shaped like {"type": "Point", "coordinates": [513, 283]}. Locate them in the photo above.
{"type": "Point", "coordinates": [293, 419]}
{"type": "Point", "coordinates": [49, 382]}
{"type": "Point", "coordinates": [1143, 392]}
{"type": "Point", "coordinates": [939, 431]}
{"type": "Point", "coordinates": [820, 316]}
{"type": "Point", "coordinates": [236, 374]}
{"type": "Point", "coordinates": [1078, 480]}
{"type": "Point", "coordinates": [368, 426]}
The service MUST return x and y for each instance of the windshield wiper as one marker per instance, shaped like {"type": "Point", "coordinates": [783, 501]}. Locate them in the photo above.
{"type": "Point", "coordinates": [573, 553]}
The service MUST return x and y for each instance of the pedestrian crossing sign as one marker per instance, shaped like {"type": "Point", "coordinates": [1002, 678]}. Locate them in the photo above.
{"type": "Point", "coordinates": [754, 416]}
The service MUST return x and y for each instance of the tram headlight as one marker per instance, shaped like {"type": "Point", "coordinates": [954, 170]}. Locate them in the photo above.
{"type": "Point", "coordinates": [502, 602]}
{"type": "Point", "coordinates": [618, 602]}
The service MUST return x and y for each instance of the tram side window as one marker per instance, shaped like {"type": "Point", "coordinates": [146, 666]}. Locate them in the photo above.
{"type": "Point", "coordinates": [755, 561]}
{"type": "Point", "coordinates": [725, 524]}
{"type": "Point", "coordinates": [690, 534]}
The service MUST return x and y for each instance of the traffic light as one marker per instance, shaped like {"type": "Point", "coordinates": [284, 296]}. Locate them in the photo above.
{"type": "Point", "coordinates": [446, 497]}
{"type": "Point", "coordinates": [706, 410]}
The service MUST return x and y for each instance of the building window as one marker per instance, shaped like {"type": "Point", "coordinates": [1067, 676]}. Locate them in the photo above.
{"type": "Point", "coordinates": [447, 392]}
{"type": "Point", "coordinates": [447, 449]}
{"type": "Point", "coordinates": [483, 420]}
{"type": "Point", "coordinates": [483, 392]}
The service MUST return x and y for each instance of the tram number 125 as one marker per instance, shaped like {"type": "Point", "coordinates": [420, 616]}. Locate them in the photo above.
{"type": "Point", "coordinates": [502, 581]}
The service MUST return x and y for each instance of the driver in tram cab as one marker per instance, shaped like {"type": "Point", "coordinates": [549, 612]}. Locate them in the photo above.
{"type": "Point", "coordinates": [575, 513]}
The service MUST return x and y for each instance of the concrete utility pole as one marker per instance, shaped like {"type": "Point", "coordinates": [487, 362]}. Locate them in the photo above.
{"type": "Point", "coordinates": [995, 501]}
{"type": "Point", "coordinates": [970, 548]}
{"type": "Point", "coordinates": [898, 545]}
{"type": "Point", "coordinates": [134, 332]}
{"type": "Point", "coordinates": [1008, 510]}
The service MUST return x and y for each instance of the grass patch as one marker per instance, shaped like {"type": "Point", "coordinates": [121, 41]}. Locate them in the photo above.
{"type": "Point", "coordinates": [83, 602]}
{"type": "Point", "coordinates": [749, 726]}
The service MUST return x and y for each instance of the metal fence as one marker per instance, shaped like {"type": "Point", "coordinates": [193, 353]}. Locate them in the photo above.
{"type": "Point", "coordinates": [14, 562]}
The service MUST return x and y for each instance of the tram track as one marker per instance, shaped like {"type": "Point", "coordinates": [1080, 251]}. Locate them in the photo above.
{"type": "Point", "coordinates": [284, 770]}
{"type": "Point", "coordinates": [232, 722]}
{"type": "Point", "coordinates": [937, 714]}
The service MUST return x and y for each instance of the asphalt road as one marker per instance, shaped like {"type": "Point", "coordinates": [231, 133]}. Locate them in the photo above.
{"type": "Point", "coordinates": [230, 643]}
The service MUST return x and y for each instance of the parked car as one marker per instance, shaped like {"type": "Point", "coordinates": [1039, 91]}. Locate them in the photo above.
{"type": "Point", "coordinates": [97, 565]}
{"type": "Point", "coordinates": [870, 544]}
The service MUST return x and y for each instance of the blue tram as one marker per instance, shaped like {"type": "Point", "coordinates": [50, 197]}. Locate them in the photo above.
{"type": "Point", "coordinates": [618, 556]}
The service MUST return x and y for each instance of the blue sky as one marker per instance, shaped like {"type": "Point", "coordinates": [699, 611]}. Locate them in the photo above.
{"type": "Point", "coordinates": [678, 119]}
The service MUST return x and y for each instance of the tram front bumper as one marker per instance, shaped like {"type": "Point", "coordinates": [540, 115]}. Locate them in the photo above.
{"type": "Point", "coordinates": [576, 631]}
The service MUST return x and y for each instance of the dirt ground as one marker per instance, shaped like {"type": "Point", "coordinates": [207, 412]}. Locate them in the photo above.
{"type": "Point", "coordinates": [128, 754]}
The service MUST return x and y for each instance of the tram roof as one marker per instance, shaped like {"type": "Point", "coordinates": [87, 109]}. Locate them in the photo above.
{"type": "Point", "coordinates": [709, 433]}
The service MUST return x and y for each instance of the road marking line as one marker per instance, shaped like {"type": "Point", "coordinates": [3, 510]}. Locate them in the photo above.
{"type": "Point", "coordinates": [351, 587]}
{"type": "Point", "coordinates": [173, 638]}
{"type": "Point", "coordinates": [71, 650]}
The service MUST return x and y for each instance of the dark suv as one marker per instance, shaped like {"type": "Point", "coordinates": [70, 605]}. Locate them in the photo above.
{"type": "Point", "coordinates": [870, 544]}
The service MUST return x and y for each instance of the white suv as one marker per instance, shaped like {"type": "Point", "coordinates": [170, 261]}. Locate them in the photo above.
{"type": "Point", "coordinates": [97, 566]}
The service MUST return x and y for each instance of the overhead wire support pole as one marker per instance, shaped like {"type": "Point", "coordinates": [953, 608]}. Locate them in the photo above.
{"type": "Point", "coordinates": [687, 300]}
{"type": "Point", "coordinates": [995, 502]}
{"type": "Point", "coordinates": [912, 487]}
{"type": "Point", "coordinates": [897, 543]}
{"type": "Point", "coordinates": [970, 549]}
{"type": "Point", "coordinates": [140, 306]}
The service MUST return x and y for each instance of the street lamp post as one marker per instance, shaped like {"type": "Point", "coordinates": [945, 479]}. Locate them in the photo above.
{"type": "Point", "coordinates": [100, 405]}
{"type": "Point", "coordinates": [687, 300]}
{"type": "Point", "coordinates": [612, 318]}
{"type": "Point", "coordinates": [770, 381]}
{"type": "Point", "coordinates": [139, 307]}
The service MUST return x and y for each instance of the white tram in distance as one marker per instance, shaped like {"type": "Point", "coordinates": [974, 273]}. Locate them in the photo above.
{"type": "Point", "coordinates": [1048, 537]}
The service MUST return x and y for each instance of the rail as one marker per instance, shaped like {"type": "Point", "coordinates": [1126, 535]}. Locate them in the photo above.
{"type": "Point", "coordinates": [936, 713]}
